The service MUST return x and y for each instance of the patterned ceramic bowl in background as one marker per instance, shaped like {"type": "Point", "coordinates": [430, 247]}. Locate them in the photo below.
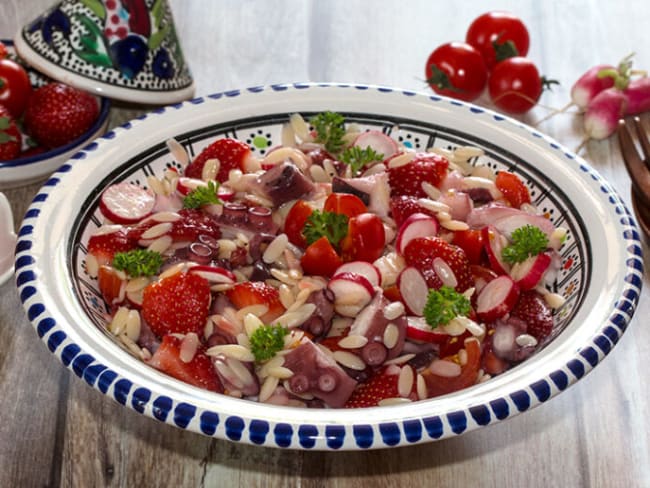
{"type": "Point", "coordinates": [66, 309]}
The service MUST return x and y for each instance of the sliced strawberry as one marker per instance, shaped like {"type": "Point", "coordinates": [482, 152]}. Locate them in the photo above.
{"type": "Point", "coordinates": [532, 309]}
{"type": "Point", "coordinates": [10, 136]}
{"type": "Point", "coordinates": [425, 167]}
{"type": "Point", "coordinates": [200, 371]}
{"type": "Point", "coordinates": [402, 206]}
{"type": "Point", "coordinates": [231, 154]}
{"type": "Point", "coordinates": [379, 387]}
{"type": "Point", "coordinates": [431, 255]}
{"type": "Point", "coordinates": [177, 304]}
{"type": "Point", "coordinates": [512, 188]}
{"type": "Point", "coordinates": [110, 282]}
{"type": "Point", "coordinates": [105, 246]}
{"type": "Point", "coordinates": [257, 293]}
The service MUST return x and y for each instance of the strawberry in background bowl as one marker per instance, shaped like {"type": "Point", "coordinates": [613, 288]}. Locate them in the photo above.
{"type": "Point", "coordinates": [43, 122]}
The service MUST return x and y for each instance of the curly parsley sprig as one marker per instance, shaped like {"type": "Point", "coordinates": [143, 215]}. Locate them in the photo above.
{"type": "Point", "coordinates": [526, 241]}
{"type": "Point", "coordinates": [267, 340]}
{"type": "Point", "coordinates": [330, 129]}
{"type": "Point", "coordinates": [202, 195]}
{"type": "Point", "coordinates": [443, 305]}
{"type": "Point", "coordinates": [332, 225]}
{"type": "Point", "coordinates": [358, 158]}
{"type": "Point", "coordinates": [138, 262]}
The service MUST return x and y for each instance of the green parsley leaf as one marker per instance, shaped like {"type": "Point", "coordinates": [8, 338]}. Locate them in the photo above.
{"type": "Point", "coordinates": [138, 262]}
{"type": "Point", "coordinates": [330, 129]}
{"type": "Point", "coordinates": [526, 241]}
{"type": "Point", "coordinates": [332, 225]}
{"type": "Point", "coordinates": [202, 195]}
{"type": "Point", "coordinates": [358, 158]}
{"type": "Point", "coordinates": [267, 340]}
{"type": "Point", "coordinates": [443, 305]}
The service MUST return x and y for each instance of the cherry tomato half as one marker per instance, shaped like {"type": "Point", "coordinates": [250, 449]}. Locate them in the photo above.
{"type": "Point", "coordinates": [345, 203]}
{"type": "Point", "coordinates": [320, 258]}
{"type": "Point", "coordinates": [515, 85]}
{"type": "Point", "coordinates": [498, 36]}
{"type": "Point", "coordinates": [15, 87]}
{"type": "Point", "coordinates": [295, 222]}
{"type": "Point", "coordinates": [456, 70]}
{"type": "Point", "coordinates": [365, 240]}
{"type": "Point", "coordinates": [470, 241]}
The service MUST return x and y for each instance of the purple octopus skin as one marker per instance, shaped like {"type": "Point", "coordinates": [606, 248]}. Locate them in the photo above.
{"type": "Point", "coordinates": [371, 323]}
{"type": "Point", "coordinates": [246, 383]}
{"type": "Point", "coordinates": [317, 374]}
{"type": "Point", "coordinates": [341, 185]}
{"type": "Point", "coordinates": [283, 183]}
{"type": "Point", "coordinates": [320, 322]}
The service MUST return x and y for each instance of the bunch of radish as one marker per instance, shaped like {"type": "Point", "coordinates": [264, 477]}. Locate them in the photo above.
{"type": "Point", "coordinates": [606, 94]}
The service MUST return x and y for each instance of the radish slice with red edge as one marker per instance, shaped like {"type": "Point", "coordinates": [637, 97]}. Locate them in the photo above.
{"type": "Point", "coordinates": [186, 185]}
{"type": "Point", "coordinates": [497, 298]}
{"type": "Point", "coordinates": [494, 244]}
{"type": "Point", "coordinates": [363, 268]}
{"type": "Point", "coordinates": [416, 225]}
{"type": "Point", "coordinates": [126, 203]}
{"type": "Point", "coordinates": [214, 274]}
{"type": "Point", "coordinates": [413, 290]}
{"type": "Point", "coordinates": [417, 329]}
{"type": "Point", "coordinates": [529, 273]}
{"type": "Point", "coordinates": [351, 289]}
{"type": "Point", "coordinates": [378, 141]}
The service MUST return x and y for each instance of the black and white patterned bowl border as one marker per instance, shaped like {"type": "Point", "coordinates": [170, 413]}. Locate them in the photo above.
{"type": "Point", "coordinates": [260, 133]}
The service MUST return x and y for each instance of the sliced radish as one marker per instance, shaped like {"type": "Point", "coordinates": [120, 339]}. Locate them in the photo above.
{"type": "Point", "coordinates": [413, 289]}
{"type": "Point", "coordinates": [497, 298]}
{"type": "Point", "coordinates": [351, 293]}
{"type": "Point", "coordinates": [363, 268]}
{"type": "Point", "coordinates": [507, 225]}
{"type": "Point", "coordinates": [417, 329]}
{"type": "Point", "coordinates": [225, 193]}
{"type": "Point", "coordinates": [494, 244]}
{"type": "Point", "coordinates": [126, 203]}
{"type": "Point", "coordinates": [214, 274]}
{"type": "Point", "coordinates": [378, 141]}
{"type": "Point", "coordinates": [529, 273]}
{"type": "Point", "coordinates": [186, 185]}
{"type": "Point", "coordinates": [416, 225]}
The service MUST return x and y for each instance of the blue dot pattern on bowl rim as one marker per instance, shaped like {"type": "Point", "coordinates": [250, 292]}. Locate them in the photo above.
{"type": "Point", "coordinates": [260, 133]}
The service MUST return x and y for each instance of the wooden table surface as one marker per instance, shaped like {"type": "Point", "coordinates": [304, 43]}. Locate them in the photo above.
{"type": "Point", "coordinates": [55, 430]}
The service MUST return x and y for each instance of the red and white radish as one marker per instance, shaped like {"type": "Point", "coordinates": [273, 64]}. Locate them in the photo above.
{"type": "Point", "coordinates": [351, 292]}
{"type": "Point", "coordinates": [497, 298]}
{"type": "Point", "coordinates": [529, 273]}
{"type": "Point", "coordinates": [603, 113]}
{"type": "Point", "coordinates": [417, 329]}
{"type": "Point", "coordinates": [416, 225]}
{"type": "Point", "coordinates": [638, 96]}
{"type": "Point", "coordinates": [590, 84]}
{"type": "Point", "coordinates": [377, 141]}
{"type": "Point", "coordinates": [126, 203]}
{"type": "Point", "coordinates": [413, 289]}
{"type": "Point", "coordinates": [214, 274]}
{"type": "Point", "coordinates": [186, 185]}
{"type": "Point", "coordinates": [494, 244]}
{"type": "Point", "coordinates": [363, 268]}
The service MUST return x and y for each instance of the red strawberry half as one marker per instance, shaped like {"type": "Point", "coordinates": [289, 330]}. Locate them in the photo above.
{"type": "Point", "coordinates": [57, 114]}
{"type": "Point", "coordinates": [231, 154]}
{"type": "Point", "coordinates": [10, 137]}
{"type": "Point", "coordinates": [408, 179]}
{"type": "Point", "coordinates": [177, 304]}
{"type": "Point", "coordinates": [422, 253]}
{"type": "Point", "coordinates": [379, 387]}
{"type": "Point", "coordinates": [257, 293]}
{"type": "Point", "coordinates": [532, 309]}
{"type": "Point", "coordinates": [105, 246]}
{"type": "Point", "coordinates": [110, 283]}
{"type": "Point", "coordinates": [199, 371]}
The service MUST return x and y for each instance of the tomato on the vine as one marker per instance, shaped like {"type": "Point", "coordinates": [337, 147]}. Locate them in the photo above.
{"type": "Point", "coordinates": [456, 70]}
{"type": "Point", "coordinates": [15, 87]}
{"type": "Point", "coordinates": [515, 85]}
{"type": "Point", "coordinates": [498, 36]}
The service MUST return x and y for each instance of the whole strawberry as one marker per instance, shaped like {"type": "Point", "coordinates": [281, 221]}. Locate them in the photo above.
{"type": "Point", "coordinates": [10, 137]}
{"type": "Point", "coordinates": [56, 114]}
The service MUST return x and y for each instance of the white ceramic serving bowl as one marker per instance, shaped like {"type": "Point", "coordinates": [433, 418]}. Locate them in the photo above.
{"type": "Point", "coordinates": [67, 313]}
{"type": "Point", "coordinates": [32, 169]}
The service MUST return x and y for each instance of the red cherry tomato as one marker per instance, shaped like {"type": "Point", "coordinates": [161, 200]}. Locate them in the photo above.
{"type": "Point", "coordinates": [513, 189]}
{"type": "Point", "coordinates": [320, 258]}
{"type": "Point", "coordinates": [365, 240]}
{"type": "Point", "coordinates": [456, 70]}
{"type": "Point", "coordinates": [15, 87]}
{"type": "Point", "coordinates": [498, 36]}
{"type": "Point", "coordinates": [345, 203]}
{"type": "Point", "coordinates": [515, 85]}
{"type": "Point", "coordinates": [441, 385]}
{"type": "Point", "coordinates": [470, 241]}
{"type": "Point", "coordinates": [295, 222]}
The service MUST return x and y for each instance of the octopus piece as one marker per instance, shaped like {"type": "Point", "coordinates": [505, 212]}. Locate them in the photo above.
{"type": "Point", "coordinates": [283, 183]}
{"type": "Point", "coordinates": [320, 322]}
{"type": "Point", "coordinates": [317, 374]}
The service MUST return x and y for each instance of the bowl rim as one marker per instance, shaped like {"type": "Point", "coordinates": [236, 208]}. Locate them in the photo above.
{"type": "Point", "coordinates": [415, 423]}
